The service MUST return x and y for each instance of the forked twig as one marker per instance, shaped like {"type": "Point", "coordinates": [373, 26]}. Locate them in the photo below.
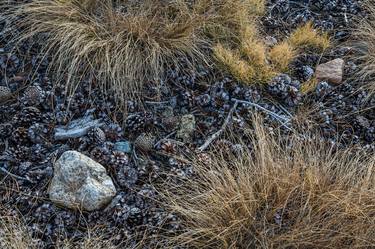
{"type": "Point", "coordinates": [5, 171]}
{"type": "Point", "coordinates": [271, 113]}
{"type": "Point", "coordinates": [222, 129]}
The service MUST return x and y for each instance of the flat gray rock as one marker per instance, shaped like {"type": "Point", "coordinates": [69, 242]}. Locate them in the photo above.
{"type": "Point", "coordinates": [80, 182]}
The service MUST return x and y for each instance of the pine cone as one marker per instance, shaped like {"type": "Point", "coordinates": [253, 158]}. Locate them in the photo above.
{"type": "Point", "coordinates": [96, 135]}
{"type": "Point", "coordinates": [168, 147]}
{"type": "Point", "coordinates": [135, 217]}
{"type": "Point", "coordinates": [5, 93]}
{"type": "Point", "coordinates": [119, 159]}
{"type": "Point", "coordinates": [28, 115]}
{"type": "Point", "coordinates": [33, 95]}
{"type": "Point", "coordinates": [127, 176]}
{"type": "Point", "coordinates": [138, 122]}
{"type": "Point", "coordinates": [20, 135]}
{"type": "Point", "coordinates": [37, 133]}
{"type": "Point", "coordinates": [204, 158]}
{"type": "Point", "coordinates": [101, 154]}
{"type": "Point", "coordinates": [170, 122]}
{"type": "Point", "coordinates": [17, 154]}
{"type": "Point", "coordinates": [5, 130]}
{"type": "Point", "coordinates": [145, 142]}
{"type": "Point", "coordinates": [113, 132]}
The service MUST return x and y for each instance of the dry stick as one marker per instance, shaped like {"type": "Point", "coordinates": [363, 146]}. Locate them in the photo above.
{"type": "Point", "coordinates": [273, 114]}
{"type": "Point", "coordinates": [14, 176]}
{"type": "Point", "coordinates": [219, 132]}
{"type": "Point", "coordinates": [282, 120]}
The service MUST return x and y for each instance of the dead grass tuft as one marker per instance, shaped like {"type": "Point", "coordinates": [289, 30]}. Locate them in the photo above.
{"type": "Point", "coordinates": [14, 234]}
{"type": "Point", "coordinates": [120, 45]}
{"type": "Point", "coordinates": [239, 68]}
{"type": "Point", "coordinates": [307, 36]}
{"type": "Point", "coordinates": [281, 55]}
{"type": "Point", "coordinates": [309, 86]}
{"type": "Point", "coordinates": [264, 62]}
{"type": "Point", "coordinates": [364, 44]}
{"type": "Point", "coordinates": [291, 194]}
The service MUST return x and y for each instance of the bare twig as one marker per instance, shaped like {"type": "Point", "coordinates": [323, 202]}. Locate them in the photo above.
{"type": "Point", "coordinates": [165, 138]}
{"type": "Point", "coordinates": [183, 160]}
{"type": "Point", "coordinates": [5, 171]}
{"type": "Point", "coordinates": [281, 119]}
{"type": "Point", "coordinates": [222, 129]}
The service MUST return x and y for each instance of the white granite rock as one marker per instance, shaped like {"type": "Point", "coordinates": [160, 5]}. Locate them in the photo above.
{"type": "Point", "coordinates": [80, 182]}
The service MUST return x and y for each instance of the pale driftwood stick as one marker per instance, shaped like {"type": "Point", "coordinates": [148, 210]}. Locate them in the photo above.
{"type": "Point", "coordinates": [76, 128]}
{"type": "Point", "coordinates": [222, 129]}
{"type": "Point", "coordinates": [273, 114]}
{"type": "Point", "coordinates": [283, 121]}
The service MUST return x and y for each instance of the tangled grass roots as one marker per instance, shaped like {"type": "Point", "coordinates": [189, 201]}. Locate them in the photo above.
{"type": "Point", "coordinates": [297, 194]}
{"type": "Point", "coordinates": [123, 43]}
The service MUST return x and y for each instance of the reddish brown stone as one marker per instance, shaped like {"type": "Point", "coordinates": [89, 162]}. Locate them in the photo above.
{"type": "Point", "coordinates": [332, 71]}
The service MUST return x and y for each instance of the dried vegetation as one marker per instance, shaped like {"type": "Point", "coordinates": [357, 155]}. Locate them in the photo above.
{"type": "Point", "coordinates": [121, 45]}
{"type": "Point", "coordinates": [281, 194]}
{"type": "Point", "coordinates": [364, 45]}
{"type": "Point", "coordinates": [262, 62]}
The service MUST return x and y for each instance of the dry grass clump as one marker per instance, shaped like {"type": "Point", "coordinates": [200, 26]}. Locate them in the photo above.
{"type": "Point", "coordinates": [307, 36]}
{"type": "Point", "coordinates": [291, 194]}
{"type": "Point", "coordinates": [14, 234]}
{"type": "Point", "coordinates": [228, 17]}
{"type": "Point", "coordinates": [265, 62]}
{"type": "Point", "coordinates": [238, 67]}
{"type": "Point", "coordinates": [121, 44]}
{"type": "Point", "coordinates": [281, 55]}
{"type": "Point", "coordinates": [364, 45]}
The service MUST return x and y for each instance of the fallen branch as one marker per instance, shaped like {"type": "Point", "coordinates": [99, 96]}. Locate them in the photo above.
{"type": "Point", "coordinates": [5, 171]}
{"type": "Point", "coordinates": [271, 113]}
{"type": "Point", "coordinates": [76, 128]}
{"type": "Point", "coordinates": [222, 129]}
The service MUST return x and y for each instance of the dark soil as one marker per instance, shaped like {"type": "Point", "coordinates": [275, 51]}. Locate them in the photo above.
{"type": "Point", "coordinates": [344, 115]}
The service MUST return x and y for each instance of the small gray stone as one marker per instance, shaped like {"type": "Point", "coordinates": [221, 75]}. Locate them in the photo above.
{"type": "Point", "coordinates": [332, 71]}
{"type": "Point", "coordinates": [123, 146]}
{"type": "Point", "coordinates": [270, 41]}
{"type": "Point", "coordinates": [80, 182]}
{"type": "Point", "coordinates": [186, 128]}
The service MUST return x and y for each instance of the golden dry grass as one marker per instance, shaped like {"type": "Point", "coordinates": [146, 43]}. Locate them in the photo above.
{"type": "Point", "coordinates": [264, 62]}
{"type": "Point", "coordinates": [239, 68]}
{"type": "Point", "coordinates": [281, 55]}
{"type": "Point", "coordinates": [120, 50]}
{"type": "Point", "coordinates": [121, 44]}
{"type": "Point", "coordinates": [290, 194]}
{"type": "Point", "coordinates": [363, 42]}
{"type": "Point", "coordinates": [307, 36]}
{"type": "Point", "coordinates": [14, 235]}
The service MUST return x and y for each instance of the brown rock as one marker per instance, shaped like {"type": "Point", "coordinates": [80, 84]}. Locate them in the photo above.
{"type": "Point", "coordinates": [332, 71]}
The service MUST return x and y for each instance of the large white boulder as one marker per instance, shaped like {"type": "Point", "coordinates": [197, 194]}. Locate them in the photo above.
{"type": "Point", "coordinates": [80, 182]}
